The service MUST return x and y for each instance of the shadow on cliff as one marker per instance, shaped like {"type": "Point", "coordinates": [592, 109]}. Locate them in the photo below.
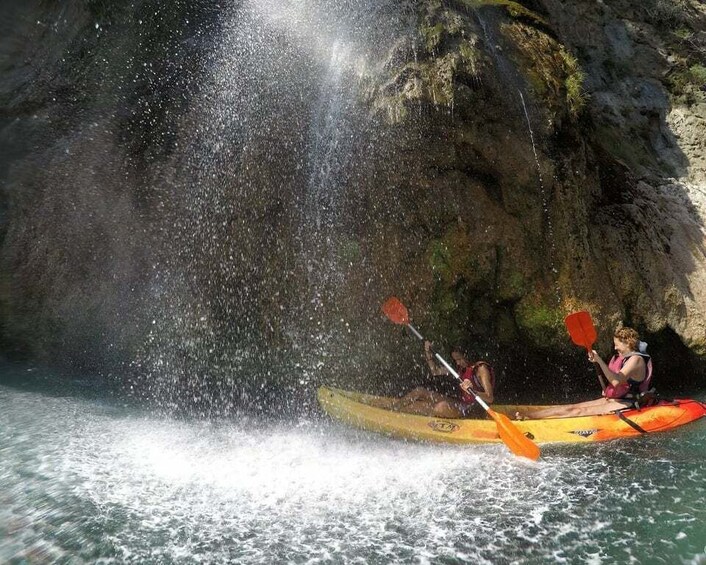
{"type": "Point", "coordinates": [647, 217]}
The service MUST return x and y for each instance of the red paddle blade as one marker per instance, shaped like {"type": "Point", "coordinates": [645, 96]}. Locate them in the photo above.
{"type": "Point", "coordinates": [581, 329]}
{"type": "Point", "coordinates": [515, 440]}
{"type": "Point", "coordinates": [395, 311]}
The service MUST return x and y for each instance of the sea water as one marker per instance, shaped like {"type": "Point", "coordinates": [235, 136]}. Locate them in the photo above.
{"type": "Point", "coordinates": [86, 478]}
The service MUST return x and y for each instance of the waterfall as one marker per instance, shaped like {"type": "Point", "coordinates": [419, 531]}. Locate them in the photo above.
{"type": "Point", "coordinates": [224, 197]}
{"type": "Point", "coordinates": [545, 203]}
{"type": "Point", "coordinates": [258, 230]}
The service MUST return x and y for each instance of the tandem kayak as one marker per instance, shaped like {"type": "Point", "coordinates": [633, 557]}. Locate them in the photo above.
{"type": "Point", "coordinates": [357, 409]}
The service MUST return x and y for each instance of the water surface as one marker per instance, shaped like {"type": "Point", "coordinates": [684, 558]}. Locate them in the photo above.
{"type": "Point", "coordinates": [88, 478]}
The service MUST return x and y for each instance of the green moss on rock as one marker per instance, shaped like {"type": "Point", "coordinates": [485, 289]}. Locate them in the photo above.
{"type": "Point", "coordinates": [460, 270]}
{"type": "Point", "coordinates": [432, 36]}
{"type": "Point", "coordinates": [686, 81]}
{"type": "Point", "coordinates": [541, 323]}
{"type": "Point", "coordinates": [698, 74]}
{"type": "Point", "coordinates": [448, 54]}
{"type": "Point", "coordinates": [513, 9]}
{"type": "Point", "coordinates": [450, 257]}
{"type": "Point", "coordinates": [553, 73]}
{"type": "Point", "coordinates": [575, 94]}
{"type": "Point", "coordinates": [349, 251]}
{"type": "Point", "coordinates": [511, 286]}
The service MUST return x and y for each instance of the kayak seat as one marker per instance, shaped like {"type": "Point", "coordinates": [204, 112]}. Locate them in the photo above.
{"type": "Point", "coordinates": [647, 398]}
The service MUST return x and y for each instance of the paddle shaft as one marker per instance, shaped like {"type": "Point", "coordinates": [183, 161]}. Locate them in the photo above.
{"type": "Point", "coordinates": [450, 369]}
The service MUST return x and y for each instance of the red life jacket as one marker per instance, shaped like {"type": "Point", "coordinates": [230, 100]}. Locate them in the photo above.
{"type": "Point", "coordinates": [631, 388]}
{"type": "Point", "coordinates": [470, 373]}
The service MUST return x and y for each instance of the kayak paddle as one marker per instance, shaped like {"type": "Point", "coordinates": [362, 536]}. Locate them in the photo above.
{"type": "Point", "coordinates": [581, 329]}
{"type": "Point", "coordinates": [515, 440]}
{"type": "Point", "coordinates": [583, 333]}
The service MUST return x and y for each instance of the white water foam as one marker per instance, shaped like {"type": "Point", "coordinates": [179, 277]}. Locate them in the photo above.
{"type": "Point", "coordinates": [95, 481]}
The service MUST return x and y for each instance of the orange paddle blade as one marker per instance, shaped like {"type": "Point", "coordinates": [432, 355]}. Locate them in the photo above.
{"type": "Point", "coordinates": [395, 310]}
{"type": "Point", "coordinates": [581, 329]}
{"type": "Point", "coordinates": [511, 435]}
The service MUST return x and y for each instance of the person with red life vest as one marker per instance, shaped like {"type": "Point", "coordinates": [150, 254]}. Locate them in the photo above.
{"type": "Point", "coordinates": [477, 377]}
{"type": "Point", "coordinates": [623, 379]}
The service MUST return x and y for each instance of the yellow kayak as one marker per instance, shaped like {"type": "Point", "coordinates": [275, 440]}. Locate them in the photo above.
{"type": "Point", "coordinates": [357, 410]}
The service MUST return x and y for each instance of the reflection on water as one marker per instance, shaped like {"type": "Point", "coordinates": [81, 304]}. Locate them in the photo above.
{"type": "Point", "coordinates": [92, 479]}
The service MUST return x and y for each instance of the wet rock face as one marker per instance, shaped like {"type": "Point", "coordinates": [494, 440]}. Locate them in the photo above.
{"type": "Point", "coordinates": [643, 65]}
{"type": "Point", "coordinates": [617, 170]}
{"type": "Point", "coordinates": [89, 95]}
{"type": "Point", "coordinates": [226, 196]}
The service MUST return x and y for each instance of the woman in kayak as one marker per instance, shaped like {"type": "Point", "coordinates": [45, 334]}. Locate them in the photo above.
{"type": "Point", "coordinates": [477, 377]}
{"type": "Point", "coordinates": [627, 374]}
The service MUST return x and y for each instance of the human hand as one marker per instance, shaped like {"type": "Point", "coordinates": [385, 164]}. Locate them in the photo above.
{"type": "Point", "coordinates": [593, 356]}
{"type": "Point", "coordinates": [427, 346]}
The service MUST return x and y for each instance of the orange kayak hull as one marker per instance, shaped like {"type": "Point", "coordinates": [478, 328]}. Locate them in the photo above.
{"type": "Point", "coordinates": [368, 412]}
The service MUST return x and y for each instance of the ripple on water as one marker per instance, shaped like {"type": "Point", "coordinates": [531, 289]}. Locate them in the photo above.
{"type": "Point", "coordinates": [84, 479]}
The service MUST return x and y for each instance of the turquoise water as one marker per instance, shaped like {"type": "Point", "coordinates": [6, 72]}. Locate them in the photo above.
{"type": "Point", "coordinates": [86, 479]}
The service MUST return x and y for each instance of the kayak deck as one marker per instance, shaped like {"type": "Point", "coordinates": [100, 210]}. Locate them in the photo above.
{"type": "Point", "coordinates": [356, 409]}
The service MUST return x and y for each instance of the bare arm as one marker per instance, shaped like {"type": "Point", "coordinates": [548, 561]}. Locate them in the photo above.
{"type": "Point", "coordinates": [634, 369]}
{"type": "Point", "coordinates": [485, 378]}
{"type": "Point", "coordinates": [435, 369]}
{"type": "Point", "coordinates": [601, 377]}
{"type": "Point", "coordinates": [483, 374]}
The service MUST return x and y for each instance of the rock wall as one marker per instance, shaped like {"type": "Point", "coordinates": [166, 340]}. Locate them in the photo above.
{"type": "Point", "coordinates": [197, 195]}
{"type": "Point", "coordinates": [609, 216]}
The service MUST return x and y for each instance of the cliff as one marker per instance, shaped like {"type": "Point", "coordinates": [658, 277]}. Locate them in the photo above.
{"type": "Point", "coordinates": [193, 194]}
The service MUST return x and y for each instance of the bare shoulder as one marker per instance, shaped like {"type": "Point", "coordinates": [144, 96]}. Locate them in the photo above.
{"type": "Point", "coordinates": [635, 361]}
{"type": "Point", "coordinates": [634, 367]}
{"type": "Point", "coordinates": [482, 368]}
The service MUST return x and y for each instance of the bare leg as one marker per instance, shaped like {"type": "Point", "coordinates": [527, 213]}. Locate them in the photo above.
{"type": "Point", "coordinates": [419, 394]}
{"type": "Point", "coordinates": [434, 404]}
{"type": "Point", "coordinates": [385, 403]}
{"type": "Point", "coordinates": [446, 409]}
{"type": "Point", "coordinates": [422, 402]}
{"type": "Point", "coordinates": [420, 408]}
{"type": "Point", "coordinates": [588, 408]}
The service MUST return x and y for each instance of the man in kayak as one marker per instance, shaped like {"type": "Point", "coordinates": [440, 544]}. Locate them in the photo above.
{"type": "Point", "coordinates": [477, 377]}
{"type": "Point", "coordinates": [627, 374]}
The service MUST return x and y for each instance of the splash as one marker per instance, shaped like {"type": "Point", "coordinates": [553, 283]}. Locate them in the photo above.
{"type": "Point", "coordinates": [88, 480]}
